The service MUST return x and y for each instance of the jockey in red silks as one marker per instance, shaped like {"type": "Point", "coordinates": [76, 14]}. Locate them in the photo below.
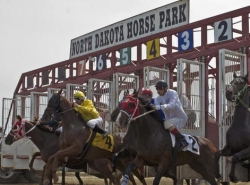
{"type": "Point", "coordinates": [19, 126]}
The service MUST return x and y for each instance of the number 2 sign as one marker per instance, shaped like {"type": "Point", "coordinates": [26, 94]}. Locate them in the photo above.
{"type": "Point", "coordinates": [223, 30]}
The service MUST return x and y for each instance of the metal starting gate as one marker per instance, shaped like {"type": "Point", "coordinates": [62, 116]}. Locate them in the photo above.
{"type": "Point", "coordinates": [107, 94]}
{"type": "Point", "coordinates": [229, 62]}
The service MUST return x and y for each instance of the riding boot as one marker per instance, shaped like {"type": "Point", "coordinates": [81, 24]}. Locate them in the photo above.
{"type": "Point", "coordinates": [180, 138]}
{"type": "Point", "coordinates": [100, 130]}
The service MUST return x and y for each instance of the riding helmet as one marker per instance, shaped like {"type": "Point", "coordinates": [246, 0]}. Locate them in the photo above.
{"type": "Point", "coordinates": [147, 92]}
{"type": "Point", "coordinates": [161, 83]}
{"type": "Point", "coordinates": [79, 94]}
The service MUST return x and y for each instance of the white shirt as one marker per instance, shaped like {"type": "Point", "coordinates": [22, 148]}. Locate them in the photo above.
{"type": "Point", "coordinates": [170, 105]}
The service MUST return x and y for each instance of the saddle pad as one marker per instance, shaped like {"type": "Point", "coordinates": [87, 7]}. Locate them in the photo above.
{"type": "Point", "coordinates": [106, 143]}
{"type": "Point", "coordinates": [193, 145]}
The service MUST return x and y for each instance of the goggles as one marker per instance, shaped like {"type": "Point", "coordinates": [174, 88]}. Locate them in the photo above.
{"type": "Point", "coordinates": [77, 99]}
{"type": "Point", "coordinates": [160, 88]}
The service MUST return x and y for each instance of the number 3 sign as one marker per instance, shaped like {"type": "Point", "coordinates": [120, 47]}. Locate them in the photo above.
{"type": "Point", "coordinates": [223, 30]}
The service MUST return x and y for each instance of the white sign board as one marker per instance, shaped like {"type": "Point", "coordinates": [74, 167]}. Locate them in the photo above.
{"type": "Point", "coordinates": [154, 21]}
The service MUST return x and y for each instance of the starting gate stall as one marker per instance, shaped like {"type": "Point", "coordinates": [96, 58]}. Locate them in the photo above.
{"type": "Point", "coordinates": [230, 62]}
{"type": "Point", "coordinates": [19, 154]}
{"type": "Point", "coordinates": [180, 53]}
{"type": "Point", "coordinates": [190, 84]}
{"type": "Point", "coordinates": [100, 92]}
{"type": "Point", "coordinates": [122, 83]}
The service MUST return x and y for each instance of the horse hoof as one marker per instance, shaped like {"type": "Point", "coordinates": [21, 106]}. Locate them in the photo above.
{"type": "Point", "coordinates": [233, 179]}
{"type": "Point", "coordinates": [46, 182]}
{"type": "Point", "coordinates": [117, 175]}
{"type": "Point", "coordinates": [55, 178]}
{"type": "Point", "coordinates": [217, 176]}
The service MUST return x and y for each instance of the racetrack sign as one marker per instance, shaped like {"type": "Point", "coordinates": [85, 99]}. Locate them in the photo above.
{"type": "Point", "coordinates": [146, 24]}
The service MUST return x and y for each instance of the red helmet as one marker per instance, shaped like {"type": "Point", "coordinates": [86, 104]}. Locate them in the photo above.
{"type": "Point", "coordinates": [147, 92]}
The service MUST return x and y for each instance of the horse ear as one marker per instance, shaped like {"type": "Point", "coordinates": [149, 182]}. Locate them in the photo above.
{"type": "Point", "coordinates": [235, 76]}
{"type": "Point", "coordinates": [246, 76]}
{"type": "Point", "coordinates": [136, 93]}
{"type": "Point", "coordinates": [60, 92]}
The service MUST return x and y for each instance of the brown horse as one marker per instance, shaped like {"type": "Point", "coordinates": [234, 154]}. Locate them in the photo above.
{"type": "Point", "coordinates": [74, 136]}
{"type": "Point", "coordinates": [48, 144]}
{"type": "Point", "coordinates": [153, 144]}
{"type": "Point", "coordinates": [238, 134]}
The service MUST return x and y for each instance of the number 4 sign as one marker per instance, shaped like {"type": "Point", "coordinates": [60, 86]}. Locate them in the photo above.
{"type": "Point", "coordinates": [223, 30]}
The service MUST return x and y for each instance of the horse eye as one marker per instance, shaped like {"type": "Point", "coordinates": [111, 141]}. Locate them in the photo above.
{"type": "Point", "coordinates": [131, 105]}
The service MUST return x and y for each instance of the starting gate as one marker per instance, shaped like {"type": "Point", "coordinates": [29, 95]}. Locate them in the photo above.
{"type": "Point", "coordinates": [229, 62]}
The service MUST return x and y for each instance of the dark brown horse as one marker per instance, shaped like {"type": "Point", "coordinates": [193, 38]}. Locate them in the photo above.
{"type": "Point", "coordinates": [153, 144]}
{"type": "Point", "coordinates": [48, 144]}
{"type": "Point", "coordinates": [74, 136]}
{"type": "Point", "coordinates": [238, 134]}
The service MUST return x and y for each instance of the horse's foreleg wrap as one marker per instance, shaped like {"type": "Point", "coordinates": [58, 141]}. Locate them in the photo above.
{"type": "Point", "coordinates": [129, 168]}
{"type": "Point", "coordinates": [125, 180]}
{"type": "Point", "coordinates": [114, 159]}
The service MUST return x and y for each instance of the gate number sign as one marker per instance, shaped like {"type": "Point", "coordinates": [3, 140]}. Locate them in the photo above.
{"type": "Point", "coordinates": [185, 40]}
{"type": "Point", "coordinates": [223, 30]}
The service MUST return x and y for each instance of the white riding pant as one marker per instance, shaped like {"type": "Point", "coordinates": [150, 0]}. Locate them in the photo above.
{"type": "Point", "coordinates": [97, 121]}
{"type": "Point", "coordinates": [177, 122]}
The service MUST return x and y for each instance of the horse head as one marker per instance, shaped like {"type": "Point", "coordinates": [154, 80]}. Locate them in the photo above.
{"type": "Point", "coordinates": [238, 88]}
{"type": "Point", "coordinates": [128, 109]}
{"type": "Point", "coordinates": [116, 111]}
{"type": "Point", "coordinates": [18, 131]}
{"type": "Point", "coordinates": [53, 108]}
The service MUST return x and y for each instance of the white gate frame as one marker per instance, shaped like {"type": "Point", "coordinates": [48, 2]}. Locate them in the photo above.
{"type": "Point", "coordinates": [201, 110]}
{"type": "Point", "coordinates": [223, 103]}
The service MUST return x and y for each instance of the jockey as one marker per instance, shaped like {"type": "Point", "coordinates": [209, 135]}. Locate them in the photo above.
{"type": "Point", "coordinates": [148, 94]}
{"type": "Point", "coordinates": [20, 126]}
{"type": "Point", "coordinates": [169, 102]}
{"type": "Point", "coordinates": [86, 108]}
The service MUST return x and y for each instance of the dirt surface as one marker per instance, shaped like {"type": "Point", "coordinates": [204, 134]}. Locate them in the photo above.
{"type": "Point", "coordinates": [91, 180]}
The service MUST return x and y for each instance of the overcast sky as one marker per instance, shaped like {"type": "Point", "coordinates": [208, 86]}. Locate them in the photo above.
{"type": "Point", "coordinates": [37, 33]}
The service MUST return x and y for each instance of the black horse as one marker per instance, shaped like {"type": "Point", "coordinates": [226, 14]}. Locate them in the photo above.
{"type": "Point", "coordinates": [238, 134]}
{"type": "Point", "coordinates": [153, 146]}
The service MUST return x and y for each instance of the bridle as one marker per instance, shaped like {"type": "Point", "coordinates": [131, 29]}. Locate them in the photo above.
{"type": "Point", "coordinates": [134, 114]}
{"type": "Point", "coordinates": [56, 112]}
{"type": "Point", "coordinates": [15, 132]}
{"type": "Point", "coordinates": [237, 98]}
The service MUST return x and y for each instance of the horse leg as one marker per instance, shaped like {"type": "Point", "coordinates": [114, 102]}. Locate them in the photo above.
{"type": "Point", "coordinates": [77, 174]}
{"type": "Point", "coordinates": [243, 154]}
{"type": "Point", "coordinates": [139, 175]}
{"type": "Point", "coordinates": [203, 171]}
{"type": "Point", "coordinates": [47, 169]}
{"type": "Point", "coordinates": [137, 172]}
{"type": "Point", "coordinates": [61, 154]}
{"type": "Point", "coordinates": [63, 176]}
{"type": "Point", "coordinates": [122, 153]}
{"type": "Point", "coordinates": [129, 168]}
{"type": "Point", "coordinates": [136, 163]}
{"type": "Point", "coordinates": [32, 161]}
{"type": "Point", "coordinates": [164, 168]}
{"type": "Point", "coordinates": [224, 152]}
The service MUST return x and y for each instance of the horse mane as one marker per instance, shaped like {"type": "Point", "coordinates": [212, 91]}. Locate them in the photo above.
{"type": "Point", "coordinates": [155, 114]}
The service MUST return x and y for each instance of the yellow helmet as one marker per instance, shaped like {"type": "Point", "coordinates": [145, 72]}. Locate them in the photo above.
{"type": "Point", "coordinates": [79, 94]}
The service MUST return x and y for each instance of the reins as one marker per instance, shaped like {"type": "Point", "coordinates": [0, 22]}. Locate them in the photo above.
{"type": "Point", "coordinates": [240, 94]}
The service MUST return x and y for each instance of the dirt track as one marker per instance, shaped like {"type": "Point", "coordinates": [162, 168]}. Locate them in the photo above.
{"type": "Point", "coordinates": [91, 180]}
